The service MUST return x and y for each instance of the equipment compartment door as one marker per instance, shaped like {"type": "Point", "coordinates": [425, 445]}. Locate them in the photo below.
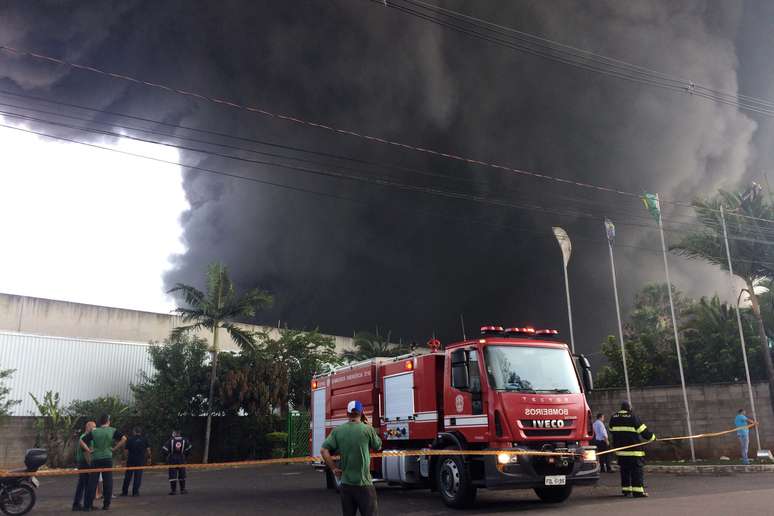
{"type": "Point", "coordinates": [318, 420]}
{"type": "Point", "coordinates": [399, 397]}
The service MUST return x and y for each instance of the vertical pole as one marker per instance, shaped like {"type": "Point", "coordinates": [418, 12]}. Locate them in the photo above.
{"type": "Point", "coordinates": [739, 323]}
{"type": "Point", "coordinates": [677, 338]}
{"type": "Point", "coordinates": [569, 307]}
{"type": "Point", "coordinates": [620, 327]}
{"type": "Point", "coordinates": [462, 323]}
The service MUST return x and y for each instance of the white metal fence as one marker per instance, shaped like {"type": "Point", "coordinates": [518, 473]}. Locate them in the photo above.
{"type": "Point", "coordinates": [78, 369]}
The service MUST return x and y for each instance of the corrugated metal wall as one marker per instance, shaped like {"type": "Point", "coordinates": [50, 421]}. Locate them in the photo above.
{"type": "Point", "coordinates": [79, 369]}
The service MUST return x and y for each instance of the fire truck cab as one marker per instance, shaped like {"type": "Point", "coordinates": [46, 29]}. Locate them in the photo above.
{"type": "Point", "coordinates": [509, 390]}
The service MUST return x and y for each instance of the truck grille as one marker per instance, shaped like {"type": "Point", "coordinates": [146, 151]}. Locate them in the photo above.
{"type": "Point", "coordinates": [551, 432]}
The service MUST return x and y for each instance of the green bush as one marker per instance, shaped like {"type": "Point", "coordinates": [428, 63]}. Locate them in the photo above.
{"type": "Point", "coordinates": [277, 439]}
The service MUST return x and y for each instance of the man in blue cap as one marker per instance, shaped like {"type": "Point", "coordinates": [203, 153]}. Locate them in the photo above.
{"type": "Point", "coordinates": [353, 441]}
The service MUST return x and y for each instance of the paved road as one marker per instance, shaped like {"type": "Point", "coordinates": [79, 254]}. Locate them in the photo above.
{"type": "Point", "coordinates": [297, 490]}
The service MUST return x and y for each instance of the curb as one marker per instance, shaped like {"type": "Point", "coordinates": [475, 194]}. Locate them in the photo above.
{"type": "Point", "coordinates": [711, 470]}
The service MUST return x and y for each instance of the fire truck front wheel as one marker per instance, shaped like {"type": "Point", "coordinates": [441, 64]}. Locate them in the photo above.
{"type": "Point", "coordinates": [454, 482]}
{"type": "Point", "coordinates": [553, 494]}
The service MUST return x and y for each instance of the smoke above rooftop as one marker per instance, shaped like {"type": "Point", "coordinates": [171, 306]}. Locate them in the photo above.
{"type": "Point", "coordinates": [407, 261]}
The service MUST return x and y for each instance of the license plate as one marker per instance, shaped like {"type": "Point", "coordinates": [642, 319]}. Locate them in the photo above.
{"type": "Point", "coordinates": [35, 481]}
{"type": "Point", "coordinates": [556, 480]}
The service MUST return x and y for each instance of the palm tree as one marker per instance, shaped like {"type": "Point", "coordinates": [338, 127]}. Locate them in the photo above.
{"type": "Point", "coordinates": [216, 309]}
{"type": "Point", "coordinates": [750, 250]}
{"type": "Point", "coordinates": [368, 345]}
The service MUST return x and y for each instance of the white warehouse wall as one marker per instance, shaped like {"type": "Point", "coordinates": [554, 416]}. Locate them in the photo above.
{"type": "Point", "coordinates": [79, 369]}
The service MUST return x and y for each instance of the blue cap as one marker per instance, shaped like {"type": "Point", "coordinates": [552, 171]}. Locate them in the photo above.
{"type": "Point", "coordinates": [354, 406]}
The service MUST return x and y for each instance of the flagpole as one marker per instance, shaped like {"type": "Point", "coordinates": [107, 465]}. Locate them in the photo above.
{"type": "Point", "coordinates": [677, 338]}
{"type": "Point", "coordinates": [618, 315]}
{"type": "Point", "coordinates": [739, 323]}
{"type": "Point", "coordinates": [566, 246]}
{"type": "Point", "coordinates": [569, 307]}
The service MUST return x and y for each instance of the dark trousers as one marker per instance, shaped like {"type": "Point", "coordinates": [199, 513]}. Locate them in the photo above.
{"type": "Point", "coordinates": [604, 460]}
{"type": "Point", "coordinates": [107, 483]}
{"type": "Point", "coordinates": [82, 487]}
{"type": "Point", "coordinates": [130, 475]}
{"type": "Point", "coordinates": [176, 475]}
{"type": "Point", "coordinates": [632, 477]}
{"type": "Point", "coordinates": [362, 498]}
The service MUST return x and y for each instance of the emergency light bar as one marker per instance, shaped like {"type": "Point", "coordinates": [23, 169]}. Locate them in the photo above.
{"type": "Point", "coordinates": [491, 330]}
{"type": "Point", "coordinates": [521, 331]}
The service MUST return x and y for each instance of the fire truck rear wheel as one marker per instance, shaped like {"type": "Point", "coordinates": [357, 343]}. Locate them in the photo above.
{"type": "Point", "coordinates": [553, 494]}
{"type": "Point", "coordinates": [454, 482]}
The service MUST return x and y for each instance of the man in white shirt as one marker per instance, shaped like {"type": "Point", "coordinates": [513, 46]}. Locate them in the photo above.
{"type": "Point", "coordinates": [602, 442]}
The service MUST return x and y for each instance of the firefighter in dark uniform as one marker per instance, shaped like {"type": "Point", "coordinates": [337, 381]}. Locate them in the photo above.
{"type": "Point", "coordinates": [626, 430]}
{"type": "Point", "coordinates": [176, 450]}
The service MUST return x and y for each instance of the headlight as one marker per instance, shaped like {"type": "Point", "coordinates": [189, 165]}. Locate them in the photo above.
{"type": "Point", "coordinates": [503, 458]}
{"type": "Point", "coordinates": [589, 455]}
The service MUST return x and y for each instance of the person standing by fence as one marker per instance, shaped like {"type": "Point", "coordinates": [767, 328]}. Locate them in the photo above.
{"type": "Point", "coordinates": [102, 439]}
{"type": "Point", "coordinates": [176, 451]}
{"type": "Point", "coordinates": [741, 421]}
{"type": "Point", "coordinates": [82, 459]}
{"type": "Point", "coordinates": [602, 442]}
{"type": "Point", "coordinates": [138, 453]}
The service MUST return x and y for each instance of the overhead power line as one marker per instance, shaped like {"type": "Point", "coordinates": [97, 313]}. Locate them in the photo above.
{"type": "Point", "coordinates": [328, 172]}
{"type": "Point", "coordinates": [608, 209]}
{"type": "Point", "coordinates": [308, 123]}
{"type": "Point", "coordinates": [330, 195]}
{"type": "Point", "coordinates": [328, 127]}
{"type": "Point", "coordinates": [532, 44]}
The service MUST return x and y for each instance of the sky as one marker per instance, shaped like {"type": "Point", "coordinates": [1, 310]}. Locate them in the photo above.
{"type": "Point", "coordinates": [88, 225]}
{"type": "Point", "coordinates": [344, 254]}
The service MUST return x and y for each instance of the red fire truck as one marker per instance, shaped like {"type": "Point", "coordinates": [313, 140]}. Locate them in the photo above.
{"type": "Point", "coordinates": [511, 389]}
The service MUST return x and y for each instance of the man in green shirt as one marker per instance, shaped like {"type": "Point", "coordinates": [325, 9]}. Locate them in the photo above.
{"type": "Point", "coordinates": [82, 460]}
{"type": "Point", "coordinates": [353, 441]}
{"type": "Point", "coordinates": [102, 439]}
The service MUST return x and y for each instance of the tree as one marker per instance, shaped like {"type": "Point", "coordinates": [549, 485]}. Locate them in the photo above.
{"type": "Point", "coordinates": [216, 309]}
{"type": "Point", "coordinates": [55, 427]}
{"type": "Point", "coordinates": [90, 410]}
{"type": "Point", "coordinates": [252, 382]}
{"type": "Point", "coordinates": [748, 244]}
{"type": "Point", "coordinates": [176, 390]}
{"type": "Point", "coordinates": [709, 343]}
{"type": "Point", "coordinates": [6, 404]}
{"type": "Point", "coordinates": [367, 345]}
{"type": "Point", "coordinates": [304, 354]}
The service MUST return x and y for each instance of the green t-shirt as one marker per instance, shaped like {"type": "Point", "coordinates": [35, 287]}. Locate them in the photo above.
{"type": "Point", "coordinates": [102, 439]}
{"type": "Point", "coordinates": [79, 458]}
{"type": "Point", "coordinates": [352, 441]}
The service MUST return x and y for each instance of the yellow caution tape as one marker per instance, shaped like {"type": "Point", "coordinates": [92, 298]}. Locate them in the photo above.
{"type": "Point", "coordinates": [680, 438]}
{"type": "Point", "coordinates": [316, 459]}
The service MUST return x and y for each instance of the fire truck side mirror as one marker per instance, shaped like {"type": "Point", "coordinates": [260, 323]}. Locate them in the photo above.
{"type": "Point", "coordinates": [460, 379]}
{"type": "Point", "coordinates": [587, 376]}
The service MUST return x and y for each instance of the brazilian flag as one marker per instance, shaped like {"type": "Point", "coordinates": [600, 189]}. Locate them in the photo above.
{"type": "Point", "coordinates": [651, 203]}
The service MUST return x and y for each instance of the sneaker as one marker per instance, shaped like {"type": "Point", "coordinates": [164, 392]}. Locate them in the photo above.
{"type": "Point", "coordinates": [172, 493]}
{"type": "Point", "coordinates": [124, 494]}
{"type": "Point", "coordinates": [77, 508]}
{"type": "Point", "coordinates": [184, 491]}
{"type": "Point", "coordinates": [640, 495]}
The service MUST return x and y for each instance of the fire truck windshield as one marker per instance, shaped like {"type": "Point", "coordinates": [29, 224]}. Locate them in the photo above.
{"type": "Point", "coordinates": [531, 369]}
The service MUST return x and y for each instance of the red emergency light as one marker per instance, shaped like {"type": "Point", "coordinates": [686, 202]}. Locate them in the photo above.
{"type": "Point", "coordinates": [547, 332]}
{"type": "Point", "coordinates": [522, 331]}
{"type": "Point", "coordinates": [489, 330]}
{"type": "Point", "coordinates": [314, 384]}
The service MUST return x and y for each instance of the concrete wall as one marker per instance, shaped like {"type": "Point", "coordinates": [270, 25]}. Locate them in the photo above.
{"type": "Point", "coordinates": [17, 435]}
{"type": "Point", "coordinates": [713, 408]}
{"type": "Point", "coordinates": [37, 316]}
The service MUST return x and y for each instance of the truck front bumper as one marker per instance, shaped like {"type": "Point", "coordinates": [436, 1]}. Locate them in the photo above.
{"type": "Point", "coordinates": [528, 471]}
